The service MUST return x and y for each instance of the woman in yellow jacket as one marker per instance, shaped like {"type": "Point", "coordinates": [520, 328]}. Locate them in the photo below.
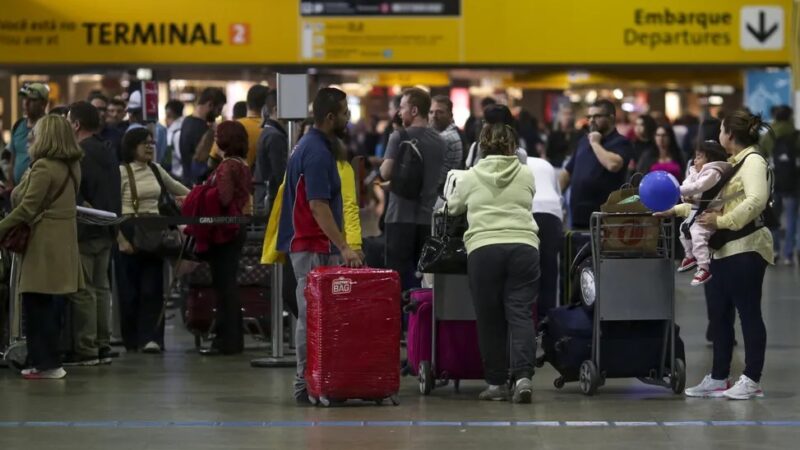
{"type": "Point", "coordinates": [739, 263]}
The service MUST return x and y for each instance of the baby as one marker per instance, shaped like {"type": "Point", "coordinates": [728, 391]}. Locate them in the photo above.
{"type": "Point", "coordinates": [709, 166]}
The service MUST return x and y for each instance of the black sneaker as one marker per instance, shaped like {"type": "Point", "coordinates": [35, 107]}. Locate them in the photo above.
{"type": "Point", "coordinates": [105, 355]}
{"type": "Point", "coordinates": [80, 360]}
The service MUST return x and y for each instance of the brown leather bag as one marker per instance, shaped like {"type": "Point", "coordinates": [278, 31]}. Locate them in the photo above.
{"type": "Point", "coordinates": [16, 240]}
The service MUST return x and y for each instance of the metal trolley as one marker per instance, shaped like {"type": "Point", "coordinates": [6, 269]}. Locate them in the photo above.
{"type": "Point", "coordinates": [633, 256]}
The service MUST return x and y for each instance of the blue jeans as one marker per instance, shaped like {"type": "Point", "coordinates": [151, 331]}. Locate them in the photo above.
{"type": "Point", "coordinates": [790, 212]}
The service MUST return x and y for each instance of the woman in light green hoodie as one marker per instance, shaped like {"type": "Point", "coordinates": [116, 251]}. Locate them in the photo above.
{"type": "Point", "coordinates": [503, 264]}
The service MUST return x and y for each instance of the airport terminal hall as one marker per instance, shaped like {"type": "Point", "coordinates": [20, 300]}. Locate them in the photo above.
{"type": "Point", "coordinates": [399, 224]}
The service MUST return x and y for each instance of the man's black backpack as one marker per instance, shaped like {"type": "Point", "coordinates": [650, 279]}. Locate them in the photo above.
{"type": "Point", "coordinates": [786, 163]}
{"type": "Point", "coordinates": [408, 174]}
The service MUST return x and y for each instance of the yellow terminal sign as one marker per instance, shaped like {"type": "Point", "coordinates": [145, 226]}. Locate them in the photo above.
{"type": "Point", "coordinates": [397, 33]}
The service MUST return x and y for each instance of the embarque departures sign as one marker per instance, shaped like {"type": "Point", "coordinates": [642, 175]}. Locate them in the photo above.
{"type": "Point", "coordinates": [397, 32]}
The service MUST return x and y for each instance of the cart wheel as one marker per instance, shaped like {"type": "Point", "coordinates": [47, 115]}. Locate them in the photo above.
{"type": "Point", "coordinates": [425, 378]}
{"type": "Point", "coordinates": [457, 386]}
{"type": "Point", "coordinates": [325, 401]}
{"type": "Point", "coordinates": [589, 378]}
{"type": "Point", "coordinates": [17, 355]}
{"type": "Point", "coordinates": [379, 402]}
{"type": "Point", "coordinates": [587, 283]}
{"type": "Point", "coordinates": [678, 379]}
{"type": "Point", "coordinates": [395, 399]}
{"type": "Point", "coordinates": [539, 362]}
{"type": "Point", "coordinates": [558, 382]}
{"type": "Point", "coordinates": [314, 400]}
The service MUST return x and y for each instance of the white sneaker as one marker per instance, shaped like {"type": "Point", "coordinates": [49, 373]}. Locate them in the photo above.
{"type": "Point", "coordinates": [744, 389]}
{"type": "Point", "coordinates": [53, 374]}
{"type": "Point", "coordinates": [151, 347]}
{"type": "Point", "coordinates": [28, 371]}
{"type": "Point", "coordinates": [708, 388]}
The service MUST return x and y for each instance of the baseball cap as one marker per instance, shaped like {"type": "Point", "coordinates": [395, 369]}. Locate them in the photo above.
{"type": "Point", "coordinates": [135, 100]}
{"type": "Point", "coordinates": [35, 90]}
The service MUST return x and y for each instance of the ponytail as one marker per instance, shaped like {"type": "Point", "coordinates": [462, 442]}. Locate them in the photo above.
{"type": "Point", "coordinates": [745, 127]}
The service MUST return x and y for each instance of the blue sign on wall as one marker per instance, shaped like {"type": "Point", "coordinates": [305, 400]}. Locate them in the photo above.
{"type": "Point", "coordinates": [764, 89]}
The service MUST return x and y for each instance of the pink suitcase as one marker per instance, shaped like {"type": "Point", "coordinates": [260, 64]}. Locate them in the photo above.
{"type": "Point", "coordinates": [457, 356]}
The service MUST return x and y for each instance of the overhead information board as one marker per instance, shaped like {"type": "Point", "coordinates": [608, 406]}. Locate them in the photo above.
{"type": "Point", "coordinates": [397, 32]}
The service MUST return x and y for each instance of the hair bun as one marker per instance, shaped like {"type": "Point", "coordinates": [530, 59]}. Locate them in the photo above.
{"type": "Point", "coordinates": [755, 126]}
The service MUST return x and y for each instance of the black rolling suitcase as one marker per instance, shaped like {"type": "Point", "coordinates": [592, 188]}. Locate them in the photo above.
{"type": "Point", "coordinates": [629, 348]}
{"type": "Point", "coordinates": [574, 242]}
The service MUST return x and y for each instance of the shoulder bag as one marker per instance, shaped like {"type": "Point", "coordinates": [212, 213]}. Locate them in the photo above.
{"type": "Point", "coordinates": [150, 238]}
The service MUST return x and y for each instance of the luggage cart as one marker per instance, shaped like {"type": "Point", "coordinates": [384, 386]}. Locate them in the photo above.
{"type": "Point", "coordinates": [633, 256]}
{"type": "Point", "coordinates": [15, 352]}
{"type": "Point", "coordinates": [452, 301]}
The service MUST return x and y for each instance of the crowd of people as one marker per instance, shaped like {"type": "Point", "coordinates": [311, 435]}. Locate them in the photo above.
{"type": "Point", "coordinates": [514, 173]}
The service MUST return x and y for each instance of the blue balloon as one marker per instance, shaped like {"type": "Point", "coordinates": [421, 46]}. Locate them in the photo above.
{"type": "Point", "coordinates": [659, 191]}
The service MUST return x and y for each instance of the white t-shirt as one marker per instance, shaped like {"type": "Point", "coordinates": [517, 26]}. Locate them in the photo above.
{"type": "Point", "coordinates": [548, 193]}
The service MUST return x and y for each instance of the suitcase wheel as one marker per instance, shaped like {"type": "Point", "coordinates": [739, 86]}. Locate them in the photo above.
{"type": "Point", "coordinates": [314, 400]}
{"type": "Point", "coordinates": [325, 401]}
{"type": "Point", "coordinates": [425, 378]}
{"type": "Point", "coordinates": [395, 399]}
{"type": "Point", "coordinates": [589, 378]}
{"type": "Point", "coordinates": [558, 382]}
{"type": "Point", "coordinates": [678, 379]}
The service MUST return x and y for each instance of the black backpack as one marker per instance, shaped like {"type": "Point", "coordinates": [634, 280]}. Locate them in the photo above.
{"type": "Point", "coordinates": [408, 174]}
{"type": "Point", "coordinates": [786, 163]}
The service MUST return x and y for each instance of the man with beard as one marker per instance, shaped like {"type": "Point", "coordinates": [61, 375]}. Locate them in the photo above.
{"type": "Point", "coordinates": [197, 134]}
{"type": "Point", "coordinates": [310, 228]}
{"type": "Point", "coordinates": [598, 166]}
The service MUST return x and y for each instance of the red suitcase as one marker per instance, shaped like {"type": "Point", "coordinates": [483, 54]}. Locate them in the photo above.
{"type": "Point", "coordinates": [201, 304]}
{"type": "Point", "coordinates": [353, 334]}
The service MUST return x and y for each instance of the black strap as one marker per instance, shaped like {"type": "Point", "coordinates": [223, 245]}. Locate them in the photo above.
{"type": "Point", "coordinates": [160, 180]}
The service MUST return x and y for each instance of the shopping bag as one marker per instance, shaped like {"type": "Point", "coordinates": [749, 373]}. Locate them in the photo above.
{"type": "Point", "coordinates": [270, 253]}
{"type": "Point", "coordinates": [628, 233]}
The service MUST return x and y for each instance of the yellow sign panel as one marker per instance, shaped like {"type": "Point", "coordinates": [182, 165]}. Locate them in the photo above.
{"type": "Point", "coordinates": [508, 32]}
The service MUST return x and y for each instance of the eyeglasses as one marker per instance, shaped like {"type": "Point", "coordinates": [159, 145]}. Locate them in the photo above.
{"type": "Point", "coordinates": [148, 144]}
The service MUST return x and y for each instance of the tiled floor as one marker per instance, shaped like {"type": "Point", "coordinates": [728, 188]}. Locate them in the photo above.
{"type": "Point", "coordinates": [181, 400]}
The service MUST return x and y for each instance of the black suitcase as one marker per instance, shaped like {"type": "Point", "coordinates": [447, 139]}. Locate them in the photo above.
{"type": "Point", "coordinates": [574, 241]}
{"type": "Point", "coordinates": [627, 348]}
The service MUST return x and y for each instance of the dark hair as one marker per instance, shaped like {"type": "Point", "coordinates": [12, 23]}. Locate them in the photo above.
{"type": "Point", "coordinates": [783, 113]}
{"type": "Point", "coordinates": [444, 100]}
{"type": "Point", "coordinates": [60, 110]}
{"type": "Point", "coordinates": [713, 151]}
{"type": "Point", "coordinates": [650, 126]}
{"type": "Point", "coordinates": [239, 110]}
{"type": "Point", "coordinates": [607, 106]}
{"type": "Point", "coordinates": [420, 99]}
{"type": "Point", "coordinates": [117, 102]}
{"type": "Point", "coordinates": [396, 101]}
{"type": "Point", "coordinates": [271, 99]}
{"type": "Point", "coordinates": [175, 106]}
{"type": "Point", "coordinates": [97, 96]}
{"type": "Point", "coordinates": [744, 127]}
{"type": "Point", "coordinates": [257, 97]}
{"type": "Point", "coordinates": [498, 114]}
{"type": "Point", "coordinates": [130, 141]}
{"type": "Point", "coordinates": [328, 101]}
{"type": "Point", "coordinates": [85, 114]}
{"type": "Point", "coordinates": [498, 139]}
{"type": "Point", "coordinates": [487, 102]}
{"type": "Point", "coordinates": [674, 150]}
{"type": "Point", "coordinates": [213, 95]}
{"type": "Point", "coordinates": [232, 138]}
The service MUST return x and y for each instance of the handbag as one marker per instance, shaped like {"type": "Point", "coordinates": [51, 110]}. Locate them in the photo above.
{"type": "Point", "coordinates": [166, 203]}
{"type": "Point", "coordinates": [149, 237]}
{"type": "Point", "coordinates": [444, 252]}
{"type": "Point", "coordinates": [16, 239]}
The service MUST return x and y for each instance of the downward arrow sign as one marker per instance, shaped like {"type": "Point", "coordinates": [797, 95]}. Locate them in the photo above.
{"type": "Point", "coordinates": [762, 34]}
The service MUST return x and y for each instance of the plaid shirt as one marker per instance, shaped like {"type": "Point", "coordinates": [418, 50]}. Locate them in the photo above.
{"type": "Point", "coordinates": [453, 152]}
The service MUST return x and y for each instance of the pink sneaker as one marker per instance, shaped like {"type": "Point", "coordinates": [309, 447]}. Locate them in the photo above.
{"type": "Point", "coordinates": [687, 264]}
{"type": "Point", "coordinates": [701, 277]}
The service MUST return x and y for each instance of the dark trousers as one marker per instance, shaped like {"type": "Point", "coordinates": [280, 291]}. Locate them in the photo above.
{"type": "Point", "coordinates": [289, 288]}
{"type": "Point", "coordinates": [504, 282]}
{"type": "Point", "coordinates": [224, 262]}
{"type": "Point", "coordinates": [42, 330]}
{"type": "Point", "coordinates": [141, 298]}
{"type": "Point", "coordinates": [551, 241]}
{"type": "Point", "coordinates": [736, 285]}
{"type": "Point", "coordinates": [404, 243]}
